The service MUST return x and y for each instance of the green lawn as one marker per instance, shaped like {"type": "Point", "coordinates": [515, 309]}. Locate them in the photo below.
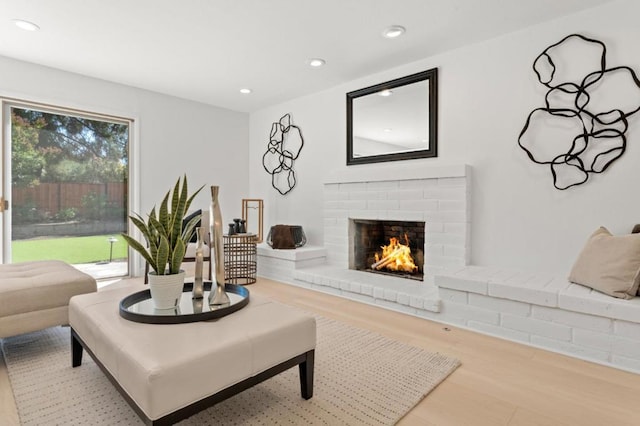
{"type": "Point", "coordinates": [69, 249]}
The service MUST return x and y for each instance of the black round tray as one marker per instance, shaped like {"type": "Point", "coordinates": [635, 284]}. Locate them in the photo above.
{"type": "Point", "coordinates": [138, 306]}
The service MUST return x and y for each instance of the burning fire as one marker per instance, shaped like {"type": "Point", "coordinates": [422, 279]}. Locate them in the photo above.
{"type": "Point", "coordinates": [395, 257]}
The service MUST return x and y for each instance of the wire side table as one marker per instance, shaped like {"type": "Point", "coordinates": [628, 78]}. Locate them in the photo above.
{"type": "Point", "coordinates": [240, 259]}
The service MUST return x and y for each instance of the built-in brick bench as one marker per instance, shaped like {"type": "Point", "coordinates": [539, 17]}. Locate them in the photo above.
{"type": "Point", "coordinates": [539, 310]}
{"type": "Point", "coordinates": [282, 264]}
{"type": "Point", "coordinates": [543, 311]}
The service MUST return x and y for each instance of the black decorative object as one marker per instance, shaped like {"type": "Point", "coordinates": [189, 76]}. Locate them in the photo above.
{"type": "Point", "coordinates": [285, 144]}
{"type": "Point", "coordinates": [298, 237]}
{"type": "Point", "coordinates": [598, 137]}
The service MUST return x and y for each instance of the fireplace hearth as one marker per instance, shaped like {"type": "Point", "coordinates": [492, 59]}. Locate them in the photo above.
{"type": "Point", "coordinates": [387, 247]}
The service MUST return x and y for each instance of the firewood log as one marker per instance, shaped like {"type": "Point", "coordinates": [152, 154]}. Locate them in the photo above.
{"type": "Point", "coordinates": [386, 260]}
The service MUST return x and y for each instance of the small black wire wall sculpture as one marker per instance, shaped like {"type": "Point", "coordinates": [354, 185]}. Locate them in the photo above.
{"type": "Point", "coordinates": [285, 144]}
{"type": "Point", "coordinates": [600, 135]}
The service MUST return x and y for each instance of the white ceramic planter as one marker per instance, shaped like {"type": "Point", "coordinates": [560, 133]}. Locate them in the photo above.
{"type": "Point", "coordinates": [166, 289]}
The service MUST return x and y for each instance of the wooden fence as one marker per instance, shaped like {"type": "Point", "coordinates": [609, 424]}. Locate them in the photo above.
{"type": "Point", "coordinates": [53, 197]}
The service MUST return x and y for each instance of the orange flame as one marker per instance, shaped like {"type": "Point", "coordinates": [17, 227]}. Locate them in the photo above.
{"type": "Point", "coordinates": [396, 257]}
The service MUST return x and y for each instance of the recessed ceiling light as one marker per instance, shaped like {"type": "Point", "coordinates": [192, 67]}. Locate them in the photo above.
{"type": "Point", "coordinates": [385, 93]}
{"type": "Point", "coordinates": [245, 91]}
{"type": "Point", "coordinates": [26, 25]}
{"type": "Point", "coordinates": [388, 129]}
{"type": "Point", "coordinates": [316, 62]}
{"type": "Point", "coordinates": [393, 31]}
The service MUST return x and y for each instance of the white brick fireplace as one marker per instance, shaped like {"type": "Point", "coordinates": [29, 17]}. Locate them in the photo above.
{"type": "Point", "coordinates": [534, 309]}
{"type": "Point", "coordinates": [438, 196]}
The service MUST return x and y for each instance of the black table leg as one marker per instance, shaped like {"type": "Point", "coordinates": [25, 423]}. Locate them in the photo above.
{"type": "Point", "coordinates": [306, 375]}
{"type": "Point", "coordinates": [76, 350]}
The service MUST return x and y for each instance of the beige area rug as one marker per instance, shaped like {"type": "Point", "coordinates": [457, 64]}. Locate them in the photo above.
{"type": "Point", "coordinates": [361, 378]}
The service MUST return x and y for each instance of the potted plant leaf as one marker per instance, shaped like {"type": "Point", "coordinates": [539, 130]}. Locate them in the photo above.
{"type": "Point", "coordinates": [166, 239]}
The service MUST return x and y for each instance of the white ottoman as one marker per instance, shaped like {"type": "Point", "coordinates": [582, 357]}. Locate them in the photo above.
{"type": "Point", "coordinates": [35, 295]}
{"type": "Point", "coordinates": [168, 372]}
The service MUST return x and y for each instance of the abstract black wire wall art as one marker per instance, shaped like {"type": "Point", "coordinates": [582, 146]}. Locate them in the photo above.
{"type": "Point", "coordinates": [285, 144]}
{"type": "Point", "coordinates": [582, 127]}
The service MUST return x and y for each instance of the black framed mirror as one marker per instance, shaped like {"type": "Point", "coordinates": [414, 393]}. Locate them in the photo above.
{"type": "Point", "coordinates": [394, 120]}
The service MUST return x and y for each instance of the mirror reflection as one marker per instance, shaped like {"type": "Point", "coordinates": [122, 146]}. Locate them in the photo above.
{"type": "Point", "coordinates": [394, 120]}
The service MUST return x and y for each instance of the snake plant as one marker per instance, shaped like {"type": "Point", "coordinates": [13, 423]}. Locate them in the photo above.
{"type": "Point", "coordinates": [165, 236]}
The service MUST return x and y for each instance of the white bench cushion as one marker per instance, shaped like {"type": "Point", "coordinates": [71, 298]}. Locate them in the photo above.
{"type": "Point", "coordinates": [31, 286]}
{"type": "Point", "coordinates": [35, 295]}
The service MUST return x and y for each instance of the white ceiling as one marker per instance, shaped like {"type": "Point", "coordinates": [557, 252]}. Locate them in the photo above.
{"type": "Point", "coordinates": [206, 50]}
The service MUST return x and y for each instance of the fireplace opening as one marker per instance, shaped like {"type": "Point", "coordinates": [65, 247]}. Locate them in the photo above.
{"type": "Point", "coordinates": [387, 247]}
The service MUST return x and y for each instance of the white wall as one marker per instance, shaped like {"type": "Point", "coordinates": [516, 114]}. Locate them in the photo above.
{"type": "Point", "coordinates": [486, 92]}
{"type": "Point", "coordinates": [176, 136]}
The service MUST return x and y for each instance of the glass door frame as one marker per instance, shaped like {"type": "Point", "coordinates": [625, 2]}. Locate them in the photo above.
{"type": "Point", "coordinates": [133, 196]}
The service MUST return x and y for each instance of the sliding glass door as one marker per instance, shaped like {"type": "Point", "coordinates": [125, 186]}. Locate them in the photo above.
{"type": "Point", "coordinates": [65, 179]}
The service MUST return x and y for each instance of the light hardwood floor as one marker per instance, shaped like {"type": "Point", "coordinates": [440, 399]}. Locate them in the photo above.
{"type": "Point", "coordinates": [499, 382]}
